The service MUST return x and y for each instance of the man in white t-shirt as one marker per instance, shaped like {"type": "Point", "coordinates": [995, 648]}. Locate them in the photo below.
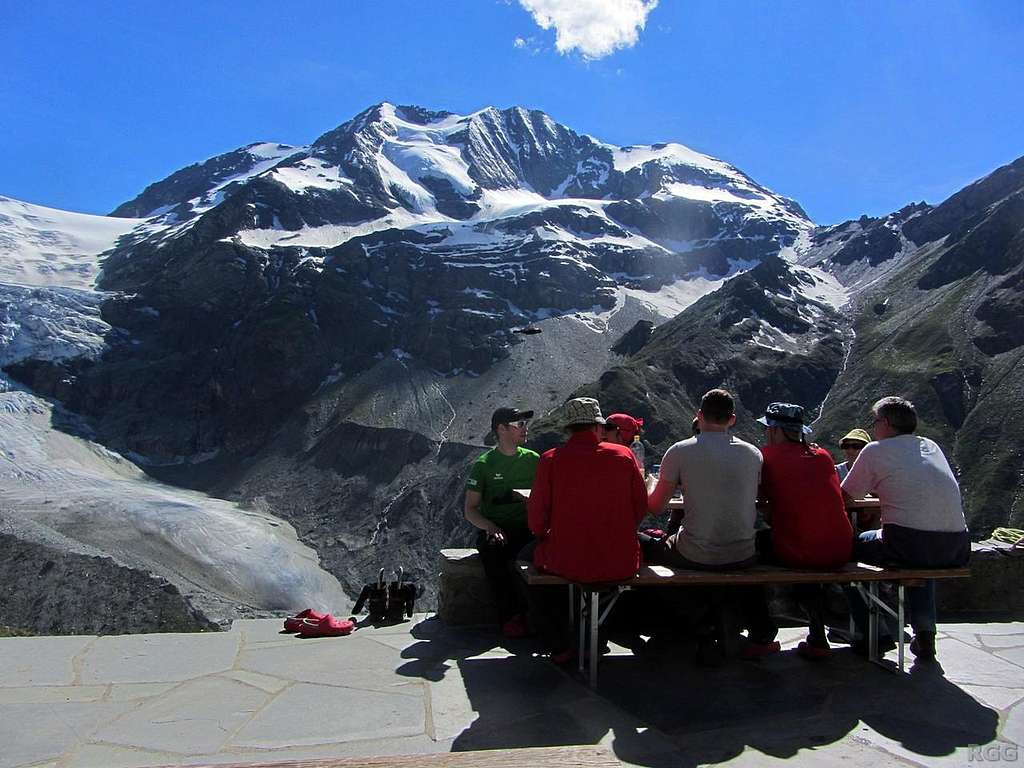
{"type": "Point", "coordinates": [921, 512]}
{"type": "Point", "coordinates": [719, 476]}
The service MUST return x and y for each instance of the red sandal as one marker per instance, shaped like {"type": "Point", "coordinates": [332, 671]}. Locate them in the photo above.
{"type": "Point", "coordinates": [328, 626]}
{"type": "Point", "coordinates": [297, 622]}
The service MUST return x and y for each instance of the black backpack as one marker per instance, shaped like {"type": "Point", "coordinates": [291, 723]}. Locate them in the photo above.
{"type": "Point", "coordinates": [389, 603]}
{"type": "Point", "coordinates": [401, 597]}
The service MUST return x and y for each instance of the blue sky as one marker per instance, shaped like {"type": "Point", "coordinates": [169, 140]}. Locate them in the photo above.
{"type": "Point", "coordinates": [848, 107]}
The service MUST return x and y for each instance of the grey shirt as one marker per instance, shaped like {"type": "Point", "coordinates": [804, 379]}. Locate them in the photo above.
{"type": "Point", "coordinates": [719, 475]}
{"type": "Point", "coordinates": [914, 483]}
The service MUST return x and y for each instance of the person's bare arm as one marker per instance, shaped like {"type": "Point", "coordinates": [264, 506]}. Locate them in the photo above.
{"type": "Point", "coordinates": [472, 512]}
{"type": "Point", "coordinates": [657, 498]}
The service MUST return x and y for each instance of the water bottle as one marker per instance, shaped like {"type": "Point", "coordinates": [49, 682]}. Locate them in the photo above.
{"type": "Point", "coordinates": [638, 450]}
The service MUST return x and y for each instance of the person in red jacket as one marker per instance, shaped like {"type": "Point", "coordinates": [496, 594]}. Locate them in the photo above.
{"type": "Point", "coordinates": [809, 526]}
{"type": "Point", "coordinates": [586, 501]}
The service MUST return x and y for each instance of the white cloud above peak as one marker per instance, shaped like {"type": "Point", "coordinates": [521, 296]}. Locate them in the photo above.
{"type": "Point", "coordinates": [595, 28]}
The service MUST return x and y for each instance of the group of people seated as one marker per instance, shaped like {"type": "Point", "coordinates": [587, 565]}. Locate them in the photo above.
{"type": "Point", "coordinates": [783, 503]}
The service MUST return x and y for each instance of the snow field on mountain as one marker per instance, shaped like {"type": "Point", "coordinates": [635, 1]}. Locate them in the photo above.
{"type": "Point", "coordinates": [825, 287]}
{"type": "Point", "coordinates": [675, 297]}
{"type": "Point", "coordinates": [42, 246]}
{"type": "Point", "coordinates": [419, 160]}
{"type": "Point", "coordinates": [311, 173]}
{"type": "Point", "coordinates": [49, 324]}
{"type": "Point", "coordinates": [627, 158]}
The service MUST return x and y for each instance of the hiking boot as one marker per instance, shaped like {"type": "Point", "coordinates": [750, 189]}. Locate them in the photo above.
{"type": "Point", "coordinates": [813, 651]}
{"type": "Point", "coordinates": [515, 628]}
{"type": "Point", "coordinates": [923, 645]}
{"type": "Point", "coordinates": [563, 658]}
{"type": "Point", "coordinates": [754, 650]}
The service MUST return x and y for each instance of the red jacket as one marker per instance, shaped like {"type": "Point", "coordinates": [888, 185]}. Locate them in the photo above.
{"type": "Point", "coordinates": [586, 502]}
{"type": "Point", "coordinates": [810, 528]}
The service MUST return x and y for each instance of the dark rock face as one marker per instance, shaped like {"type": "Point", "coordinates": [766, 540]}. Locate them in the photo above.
{"type": "Point", "coordinates": [634, 339]}
{"type": "Point", "coordinates": [1001, 312]}
{"type": "Point", "coordinates": [961, 211]}
{"type": "Point", "coordinates": [59, 593]}
{"type": "Point", "coordinates": [876, 244]}
{"type": "Point", "coordinates": [195, 181]}
{"type": "Point", "coordinates": [726, 339]}
{"type": "Point", "coordinates": [866, 240]}
{"type": "Point", "coordinates": [995, 244]}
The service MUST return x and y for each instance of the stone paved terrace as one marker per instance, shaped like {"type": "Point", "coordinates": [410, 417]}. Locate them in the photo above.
{"type": "Point", "coordinates": [253, 694]}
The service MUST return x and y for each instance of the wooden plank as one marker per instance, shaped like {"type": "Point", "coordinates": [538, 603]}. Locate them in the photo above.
{"type": "Point", "coordinates": [664, 576]}
{"type": "Point", "coordinates": [864, 504]}
{"type": "Point", "coordinates": [532, 757]}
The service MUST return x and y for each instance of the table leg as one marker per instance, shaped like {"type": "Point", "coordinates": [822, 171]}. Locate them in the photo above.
{"type": "Point", "coordinates": [582, 630]}
{"type": "Point", "coordinates": [595, 623]}
{"type": "Point", "coordinates": [899, 622]}
{"type": "Point", "coordinates": [873, 622]}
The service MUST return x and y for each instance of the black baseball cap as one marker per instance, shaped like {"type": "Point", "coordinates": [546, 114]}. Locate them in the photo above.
{"type": "Point", "coordinates": [506, 415]}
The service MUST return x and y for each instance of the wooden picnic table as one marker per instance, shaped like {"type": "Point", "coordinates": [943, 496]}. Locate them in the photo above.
{"type": "Point", "coordinates": [588, 616]}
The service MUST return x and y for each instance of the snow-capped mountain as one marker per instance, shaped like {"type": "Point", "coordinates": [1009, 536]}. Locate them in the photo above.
{"type": "Point", "coordinates": [458, 176]}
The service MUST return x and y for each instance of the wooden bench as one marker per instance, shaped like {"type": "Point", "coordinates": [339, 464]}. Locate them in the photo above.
{"type": "Point", "coordinates": [530, 757]}
{"type": "Point", "coordinates": [865, 577]}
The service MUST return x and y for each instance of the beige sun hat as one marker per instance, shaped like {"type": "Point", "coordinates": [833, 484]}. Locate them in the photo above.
{"type": "Point", "coordinates": [582, 410]}
{"type": "Point", "coordinates": [857, 435]}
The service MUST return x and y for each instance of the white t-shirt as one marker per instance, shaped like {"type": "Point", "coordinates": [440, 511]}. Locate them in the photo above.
{"type": "Point", "coordinates": [719, 475]}
{"type": "Point", "coordinates": [913, 482]}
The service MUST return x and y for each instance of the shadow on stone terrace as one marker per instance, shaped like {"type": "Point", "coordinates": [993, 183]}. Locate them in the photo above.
{"type": "Point", "coordinates": [667, 711]}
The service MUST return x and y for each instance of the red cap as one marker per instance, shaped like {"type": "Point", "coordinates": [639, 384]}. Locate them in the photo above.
{"type": "Point", "coordinates": [628, 426]}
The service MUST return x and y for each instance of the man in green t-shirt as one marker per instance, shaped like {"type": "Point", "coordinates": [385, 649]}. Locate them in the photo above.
{"type": "Point", "coordinates": [493, 506]}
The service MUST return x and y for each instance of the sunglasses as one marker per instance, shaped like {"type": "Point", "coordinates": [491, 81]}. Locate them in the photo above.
{"type": "Point", "coordinates": [521, 424]}
{"type": "Point", "coordinates": [856, 446]}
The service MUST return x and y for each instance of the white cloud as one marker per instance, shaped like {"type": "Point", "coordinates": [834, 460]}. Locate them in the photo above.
{"type": "Point", "coordinates": [595, 28]}
{"type": "Point", "coordinates": [519, 43]}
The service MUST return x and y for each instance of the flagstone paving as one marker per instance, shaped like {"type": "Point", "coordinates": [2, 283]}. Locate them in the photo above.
{"type": "Point", "coordinates": [254, 694]}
